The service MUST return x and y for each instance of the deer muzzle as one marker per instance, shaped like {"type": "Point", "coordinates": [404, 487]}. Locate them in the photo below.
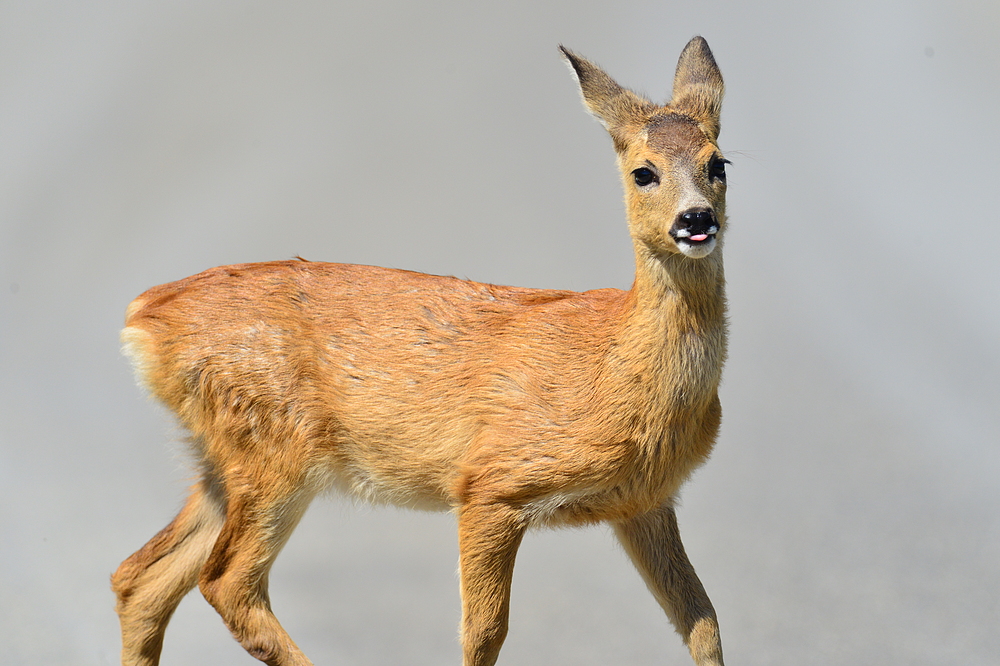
{"type": "Point", "coordinates": [694, 232]}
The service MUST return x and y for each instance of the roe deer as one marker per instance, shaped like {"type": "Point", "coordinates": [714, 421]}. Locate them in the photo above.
{"type": "Point", "coordinates": [512, 407]}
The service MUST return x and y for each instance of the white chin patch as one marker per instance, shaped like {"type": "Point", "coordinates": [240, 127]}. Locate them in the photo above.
{"type": "Point", "coordinates": [696, 250]}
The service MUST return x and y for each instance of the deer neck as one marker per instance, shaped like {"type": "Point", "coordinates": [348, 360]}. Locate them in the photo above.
{"type": "Point", "coordinates": [673, 338]}
{"type": "Point", "coordinates": [685, 295]}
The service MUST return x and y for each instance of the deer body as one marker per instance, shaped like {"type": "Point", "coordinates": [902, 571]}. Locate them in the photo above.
{"type": "Point", "coordinates": [511, 407]}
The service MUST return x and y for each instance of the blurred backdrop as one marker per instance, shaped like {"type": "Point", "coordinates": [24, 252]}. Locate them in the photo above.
{"type": "Point", "coordinates": [850, 512]}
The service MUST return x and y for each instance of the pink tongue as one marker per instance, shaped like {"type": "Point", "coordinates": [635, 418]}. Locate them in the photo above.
{"type": "Point", "coordinates": [699, 237]}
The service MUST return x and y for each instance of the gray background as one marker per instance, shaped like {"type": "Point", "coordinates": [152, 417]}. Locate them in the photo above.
{"type": "Point", "coordinates": [850, 512]}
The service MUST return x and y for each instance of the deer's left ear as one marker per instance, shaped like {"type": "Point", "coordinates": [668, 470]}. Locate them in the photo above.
{"type": "Point", "coordinates": [620, 110]}
{"type": "Point", "coordinates": [698, 86]}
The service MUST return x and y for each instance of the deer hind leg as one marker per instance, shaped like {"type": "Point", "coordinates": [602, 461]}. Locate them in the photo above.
{"type": "Point", "coordinates": [489, 536]}
{"type": "Point", "coordinates": [151, 582]}
{"type": "Point", "coordinates": [653, 541]}
{"type": "Point", "coordinates": [261, 511]}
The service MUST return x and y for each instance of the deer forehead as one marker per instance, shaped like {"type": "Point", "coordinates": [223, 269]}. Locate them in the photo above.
{"type": "Point", "coordinates": [674, 136]}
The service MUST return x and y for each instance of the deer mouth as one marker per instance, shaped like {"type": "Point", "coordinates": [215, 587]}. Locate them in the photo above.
{"type": "Point", "coordinates": [695, 243]}
{"type": "Point", "coordinates": [694, 232]}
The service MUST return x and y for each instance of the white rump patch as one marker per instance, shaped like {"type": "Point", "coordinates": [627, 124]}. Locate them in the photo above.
{"type": "Point", "coordinates": [136, 346]}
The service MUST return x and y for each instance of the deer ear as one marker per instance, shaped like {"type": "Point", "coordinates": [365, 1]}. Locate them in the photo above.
{"type": "Point", "coordinates": [617, 108]}
{"type": "Point", "coordinates": [698, 86]}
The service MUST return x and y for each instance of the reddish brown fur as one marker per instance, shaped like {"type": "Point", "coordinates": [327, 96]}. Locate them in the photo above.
{"type": "Point", "coordinates": [511, 407]}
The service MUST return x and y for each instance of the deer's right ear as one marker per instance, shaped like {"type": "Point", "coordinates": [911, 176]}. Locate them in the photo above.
{"type": "Point", "coordinates": [698, 86]}
{"type": "Point", "coordinates": [614, 106]}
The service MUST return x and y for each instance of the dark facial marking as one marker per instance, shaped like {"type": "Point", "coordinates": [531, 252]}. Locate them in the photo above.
{"type": "Point", "coordinates": [675, 133]}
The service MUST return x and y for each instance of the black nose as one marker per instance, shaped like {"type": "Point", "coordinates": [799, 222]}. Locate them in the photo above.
{"type": "Point", "coordinates": [695, 222]}
{"type": "Point", "coordinates": [698, 219]}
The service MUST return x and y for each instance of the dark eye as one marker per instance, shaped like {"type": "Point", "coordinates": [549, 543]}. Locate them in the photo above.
{"type": "Point", "coordinates": [717, 168]}
{"type": "Point", "coordinates": [644, 177]}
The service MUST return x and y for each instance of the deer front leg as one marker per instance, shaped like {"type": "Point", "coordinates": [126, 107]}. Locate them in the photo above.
{"type": "Point", "coordinates": [653, 542]}
{"type": "Point", "coordinates": [488, 538]}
